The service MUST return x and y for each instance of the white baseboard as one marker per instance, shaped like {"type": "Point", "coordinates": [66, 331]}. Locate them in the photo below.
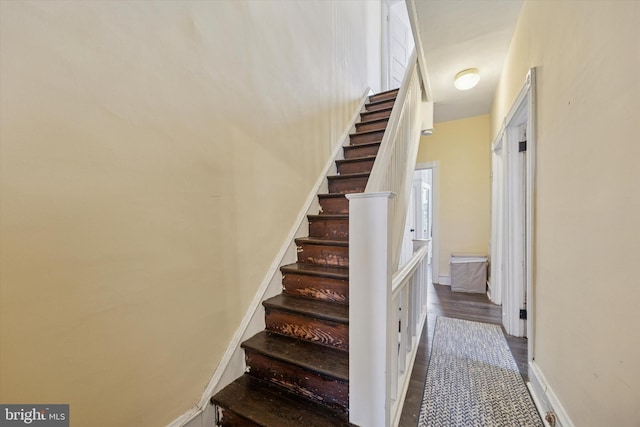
{"type": "Point", "coordinates": [444, 280]}
{"type": "Point", "coordinates": [545, 399]}
{"type": "Point", "coordinates": [490, 294]}
{"type": "Point", "coordinates": [205, 417]}
{"type": "Point", "coordinates": [232, 364]}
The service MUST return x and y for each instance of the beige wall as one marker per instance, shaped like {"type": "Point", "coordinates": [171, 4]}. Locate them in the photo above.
{"type": "Point", "coordinates": [587, 200]}
{"type": "Point", "coordinates": [154, 156]}
{"type": "Point", "coordinates": [462, 149]}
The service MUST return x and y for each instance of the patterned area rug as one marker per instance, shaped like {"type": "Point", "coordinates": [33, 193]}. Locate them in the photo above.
{"type": "Point", "coordinates": [473, 380]}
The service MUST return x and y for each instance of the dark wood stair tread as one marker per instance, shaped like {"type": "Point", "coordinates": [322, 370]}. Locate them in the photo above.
{"type": "Point", "coordinates": [333, 312]}
{"type": "Point", "coordinates": [329, 226]}
{"type": "Point", "coordinates": [328, 216]}
{"type": "Point", "coordinates": [379, 100]}
{"type": "Point", "coordinates": [350, 175]}
{"type": "Point", "coordinates": [362, 145]}
{"type": "Point", "coordinates": [384, 95]}
{"type": "Point", "coordinates": [272, 406]}
{"type": "Point", "coordinates": [325, 196]}
{"type": "Point", "coordinates": [386, 91]}
{"type": "Point", "coordinates": [333, 203]}
{"type": "Point", "coordinates": [313, 357]}
{"type": "Point", "coordinates": [320, 241]}
{"type": "Point", "coordinates": [362, 165]}
{"type": "Point", "coordinates": [316, 270]}
{"type": "Point", "coordinates": [331, 195]}
{"type": "Point", "coordinates": [378, 105]}
{"type": "Point", "coordinates": [366, 132]}
{"type": "Point", "coordinates": [371, 121]}
{"type": "Point", "coordinates": [357, 159]}
{"type": "Point", "coordinates": [376, 112]}
{"type": "Point", "coordinates": [350, 182]}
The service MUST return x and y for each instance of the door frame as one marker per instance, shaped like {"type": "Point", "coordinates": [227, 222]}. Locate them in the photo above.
{"type": "Point", "coordinates": [514, 263]}
{"type": "Point", "coordinates": [496, 269]}
{"type": "Point", "coordinates": [386, 43]}
{"type": "Point", "coordinates": [386, 49]}
{"type": "Point", "coordinates": [418, 187]}
{"type": "Point", "coordinates": [523, 109]}
{"type": "Point", "coordinates": [435, 217]}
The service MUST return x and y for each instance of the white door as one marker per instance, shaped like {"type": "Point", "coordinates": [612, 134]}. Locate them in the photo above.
{"type": "Point", "coordinates": [429, 197]}
{"type": "Point", "coordinates": [421, 193]}
{"type": "Point", "coordinates": [425, 226]}
{"type": "Point", "coordinates": [406, 251]}
{"type": "Point", "coordinates": [418, 221]}
{"type": "Point", "coordinates": [398, 46]}
{"type": "Point", "coordinates": [398, 43]}
{"type": "Point", "coordinates": [513, 180]}
{"type": "Point", "coordinates": [515, 243]}
{"type": "Point", "coordinates": [417, 208]}
{"type": "Point", "coordinates": [522, 201]}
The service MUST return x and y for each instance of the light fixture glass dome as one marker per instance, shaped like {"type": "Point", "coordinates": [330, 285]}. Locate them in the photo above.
{"type": "Point", "coordinates": [466, 79]}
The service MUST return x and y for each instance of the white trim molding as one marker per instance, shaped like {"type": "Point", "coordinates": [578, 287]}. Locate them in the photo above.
{"type": "Point", "coordinates": [513, 215]}
{"type": "Point", "coordinates": [489, 289]}
{"type": "Point", "coordinates": [530, 200]}
{"type": "Point", "coordinates": [232, 364]}
{"type": "Point", "coordinates": [444, 280]}
{"type": "Point", "coordinates": [422, 63]}
{"type": "Point", "coordinates": [545, 398]}
{"type": "Point", "coordinates": [495, 252]}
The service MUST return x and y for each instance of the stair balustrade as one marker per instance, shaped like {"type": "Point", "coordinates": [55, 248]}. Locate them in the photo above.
{"type": "Point", "coordinates": [387, 304]}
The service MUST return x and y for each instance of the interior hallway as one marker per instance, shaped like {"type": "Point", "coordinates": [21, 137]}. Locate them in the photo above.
{"type": "Point", "coordinates": [441, 301]}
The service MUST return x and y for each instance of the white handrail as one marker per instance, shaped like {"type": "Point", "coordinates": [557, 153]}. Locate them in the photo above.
{"type": "Point", "coordinates": [395, 162]}
{"type": "Point", "coordinates": [387, 308]}
{"type": "Point", "coordinates": [376, 181]}
{"type": "Point", "coordinates": [404, 273]}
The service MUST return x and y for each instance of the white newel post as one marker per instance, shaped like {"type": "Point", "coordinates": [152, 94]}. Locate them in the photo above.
{"type": "Point", "coordinates": [370, 273]}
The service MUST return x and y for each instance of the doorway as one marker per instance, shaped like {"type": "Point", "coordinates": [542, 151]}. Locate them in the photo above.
{"type": "Point", "coordinates": [425, 190]}
{"type": "Point", "coordinates": [398, 43]}
{"type": "Point", "coordinates": [511, 276]}
{"type": "Point", "coordinates": [514, 294]}
{"type": "Point", "coordinates": [419, 220]}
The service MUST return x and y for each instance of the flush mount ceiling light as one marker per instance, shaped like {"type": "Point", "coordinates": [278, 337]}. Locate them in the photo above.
{"type": "Point", "coordinates": [466, 79]}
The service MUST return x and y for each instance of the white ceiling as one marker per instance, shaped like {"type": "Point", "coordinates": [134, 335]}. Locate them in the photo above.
{"type": "Point", "coordinates": [460, 34]}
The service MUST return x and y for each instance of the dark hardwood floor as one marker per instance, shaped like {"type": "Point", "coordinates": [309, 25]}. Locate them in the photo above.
{"type": "Point", "coordinates": [441, 301]}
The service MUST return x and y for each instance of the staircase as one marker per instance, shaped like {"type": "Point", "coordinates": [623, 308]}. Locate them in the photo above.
{"type": "Point", "coordinates": [298, 368]}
